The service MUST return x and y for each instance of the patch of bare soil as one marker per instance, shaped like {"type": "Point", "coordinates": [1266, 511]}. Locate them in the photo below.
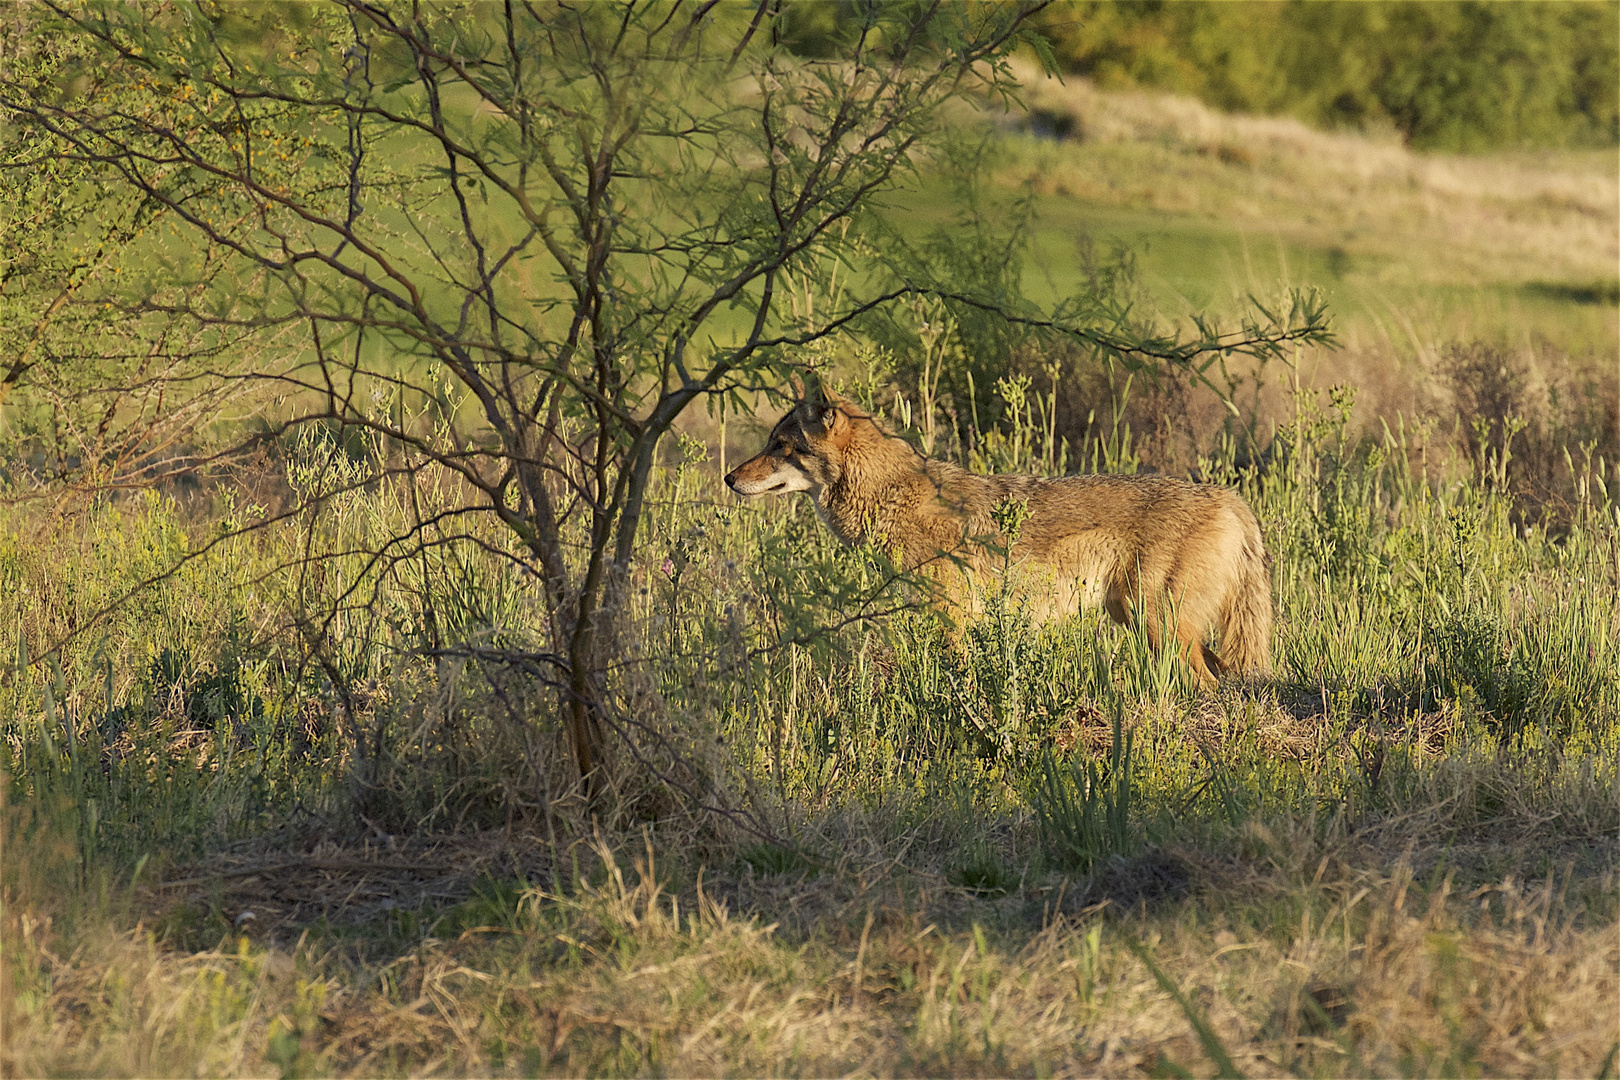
{"type": "Point", "coordinates": [271, 896]}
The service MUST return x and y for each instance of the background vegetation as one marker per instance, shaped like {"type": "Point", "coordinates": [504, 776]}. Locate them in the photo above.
{"type": "Point", "coordinates": [259, 819]}
{"type": "Point", "coordinates": [1448, 76]}
{"type": "Point", "coordinates": [1455, 75]}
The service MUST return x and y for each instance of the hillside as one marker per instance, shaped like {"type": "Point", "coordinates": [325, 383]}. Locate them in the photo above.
{"type": "Point", "coordinates": [1411, 247]}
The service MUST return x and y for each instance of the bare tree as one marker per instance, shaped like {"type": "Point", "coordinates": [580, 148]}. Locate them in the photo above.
{"type": "Point", "coordinates": [516, 242]}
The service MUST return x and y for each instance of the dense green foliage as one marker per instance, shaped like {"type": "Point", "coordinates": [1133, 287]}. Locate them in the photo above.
{"type": "Point", "coordinates": [1453, 75]}
{"type": "Point", "coordinates": [1458, 75]}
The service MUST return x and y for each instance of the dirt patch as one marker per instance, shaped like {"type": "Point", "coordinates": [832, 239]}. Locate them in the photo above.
{"type": "Point", "coordinates": [271, 896]}
{"type": "Point", "coordinates": [1157, 876]}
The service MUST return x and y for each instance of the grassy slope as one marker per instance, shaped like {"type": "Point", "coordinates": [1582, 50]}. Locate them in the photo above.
{"type": "Point", "coordinates": [1507, 245]}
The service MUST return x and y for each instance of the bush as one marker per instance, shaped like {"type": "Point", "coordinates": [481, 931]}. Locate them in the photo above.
{"type": "Point", "coordinates": [1450, 75]}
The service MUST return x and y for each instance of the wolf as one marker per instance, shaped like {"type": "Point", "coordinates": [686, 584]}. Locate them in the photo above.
{"type": "Point", "coordinates": [1172, 555]}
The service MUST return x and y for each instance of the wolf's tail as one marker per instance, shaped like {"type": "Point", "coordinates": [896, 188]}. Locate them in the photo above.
{"type": "Point", "coordinates": [1245, 621]}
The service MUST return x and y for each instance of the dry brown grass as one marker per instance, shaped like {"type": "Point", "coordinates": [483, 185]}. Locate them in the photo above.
{"type": "Point", "coordinates": [1475, 931]}
{"type": "Point", "coordinates": [1304, 957]}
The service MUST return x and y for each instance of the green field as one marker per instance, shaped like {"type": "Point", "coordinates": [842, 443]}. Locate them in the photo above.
{"type": "Point", "coordinates": [1412, 249]}
{"type": "Point", "coordinates": [1190, 263]}
{"type": "Point", "coordinates": [255, 825]}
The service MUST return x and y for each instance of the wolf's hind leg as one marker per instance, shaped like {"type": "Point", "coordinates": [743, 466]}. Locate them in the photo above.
{"type": "Point", "coordinates": [1200, 657]}
{"type": "Point", "coordinates": [1117, 610]}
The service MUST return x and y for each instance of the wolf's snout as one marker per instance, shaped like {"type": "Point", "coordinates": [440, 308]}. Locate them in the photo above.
{"type": "Point", "coordinates": [731, 480]}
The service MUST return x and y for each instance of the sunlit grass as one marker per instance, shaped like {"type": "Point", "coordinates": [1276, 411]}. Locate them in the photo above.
{"type": "Point", "coordinates": [1412, 248]}
{"type": "Point", "coordinates": [969, 849]}
{"type": "Point", "coordinates": [1396, 857]}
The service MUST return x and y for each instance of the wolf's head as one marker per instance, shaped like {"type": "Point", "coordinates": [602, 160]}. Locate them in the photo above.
{"type": "Point", "coordinates": [805, 451]}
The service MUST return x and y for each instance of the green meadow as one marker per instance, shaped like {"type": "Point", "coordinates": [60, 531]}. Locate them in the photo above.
{"type": "Point", "coordinates": [243, 840]}
{"type": "Point", "coordinates": [1411, 248]}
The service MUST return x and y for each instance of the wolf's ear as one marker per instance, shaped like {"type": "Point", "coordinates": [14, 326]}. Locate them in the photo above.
{"type": "Point", "coordinates": [825, 415]}
{"type": "Point", "coordinates": [814, 393]}
{"type": "Point", "coordinates": [797, 385]}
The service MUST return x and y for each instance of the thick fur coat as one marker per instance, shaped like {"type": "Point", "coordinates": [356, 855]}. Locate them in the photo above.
{"type": "Point", "coordinates": [1164, 552]}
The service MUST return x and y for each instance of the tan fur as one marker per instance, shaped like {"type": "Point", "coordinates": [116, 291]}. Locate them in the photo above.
{"type": "Point", "coordinates": [1128, 543]}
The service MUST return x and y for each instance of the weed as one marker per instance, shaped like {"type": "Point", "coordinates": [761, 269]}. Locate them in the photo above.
{"type": "Point", "coordinates": [1084, 810]}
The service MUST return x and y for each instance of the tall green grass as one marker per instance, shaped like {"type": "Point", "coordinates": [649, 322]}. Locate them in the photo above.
{"type": "Point", "coordinates": [1443, 721]}
{"type": "Point", "coordinates": [170, 710]}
